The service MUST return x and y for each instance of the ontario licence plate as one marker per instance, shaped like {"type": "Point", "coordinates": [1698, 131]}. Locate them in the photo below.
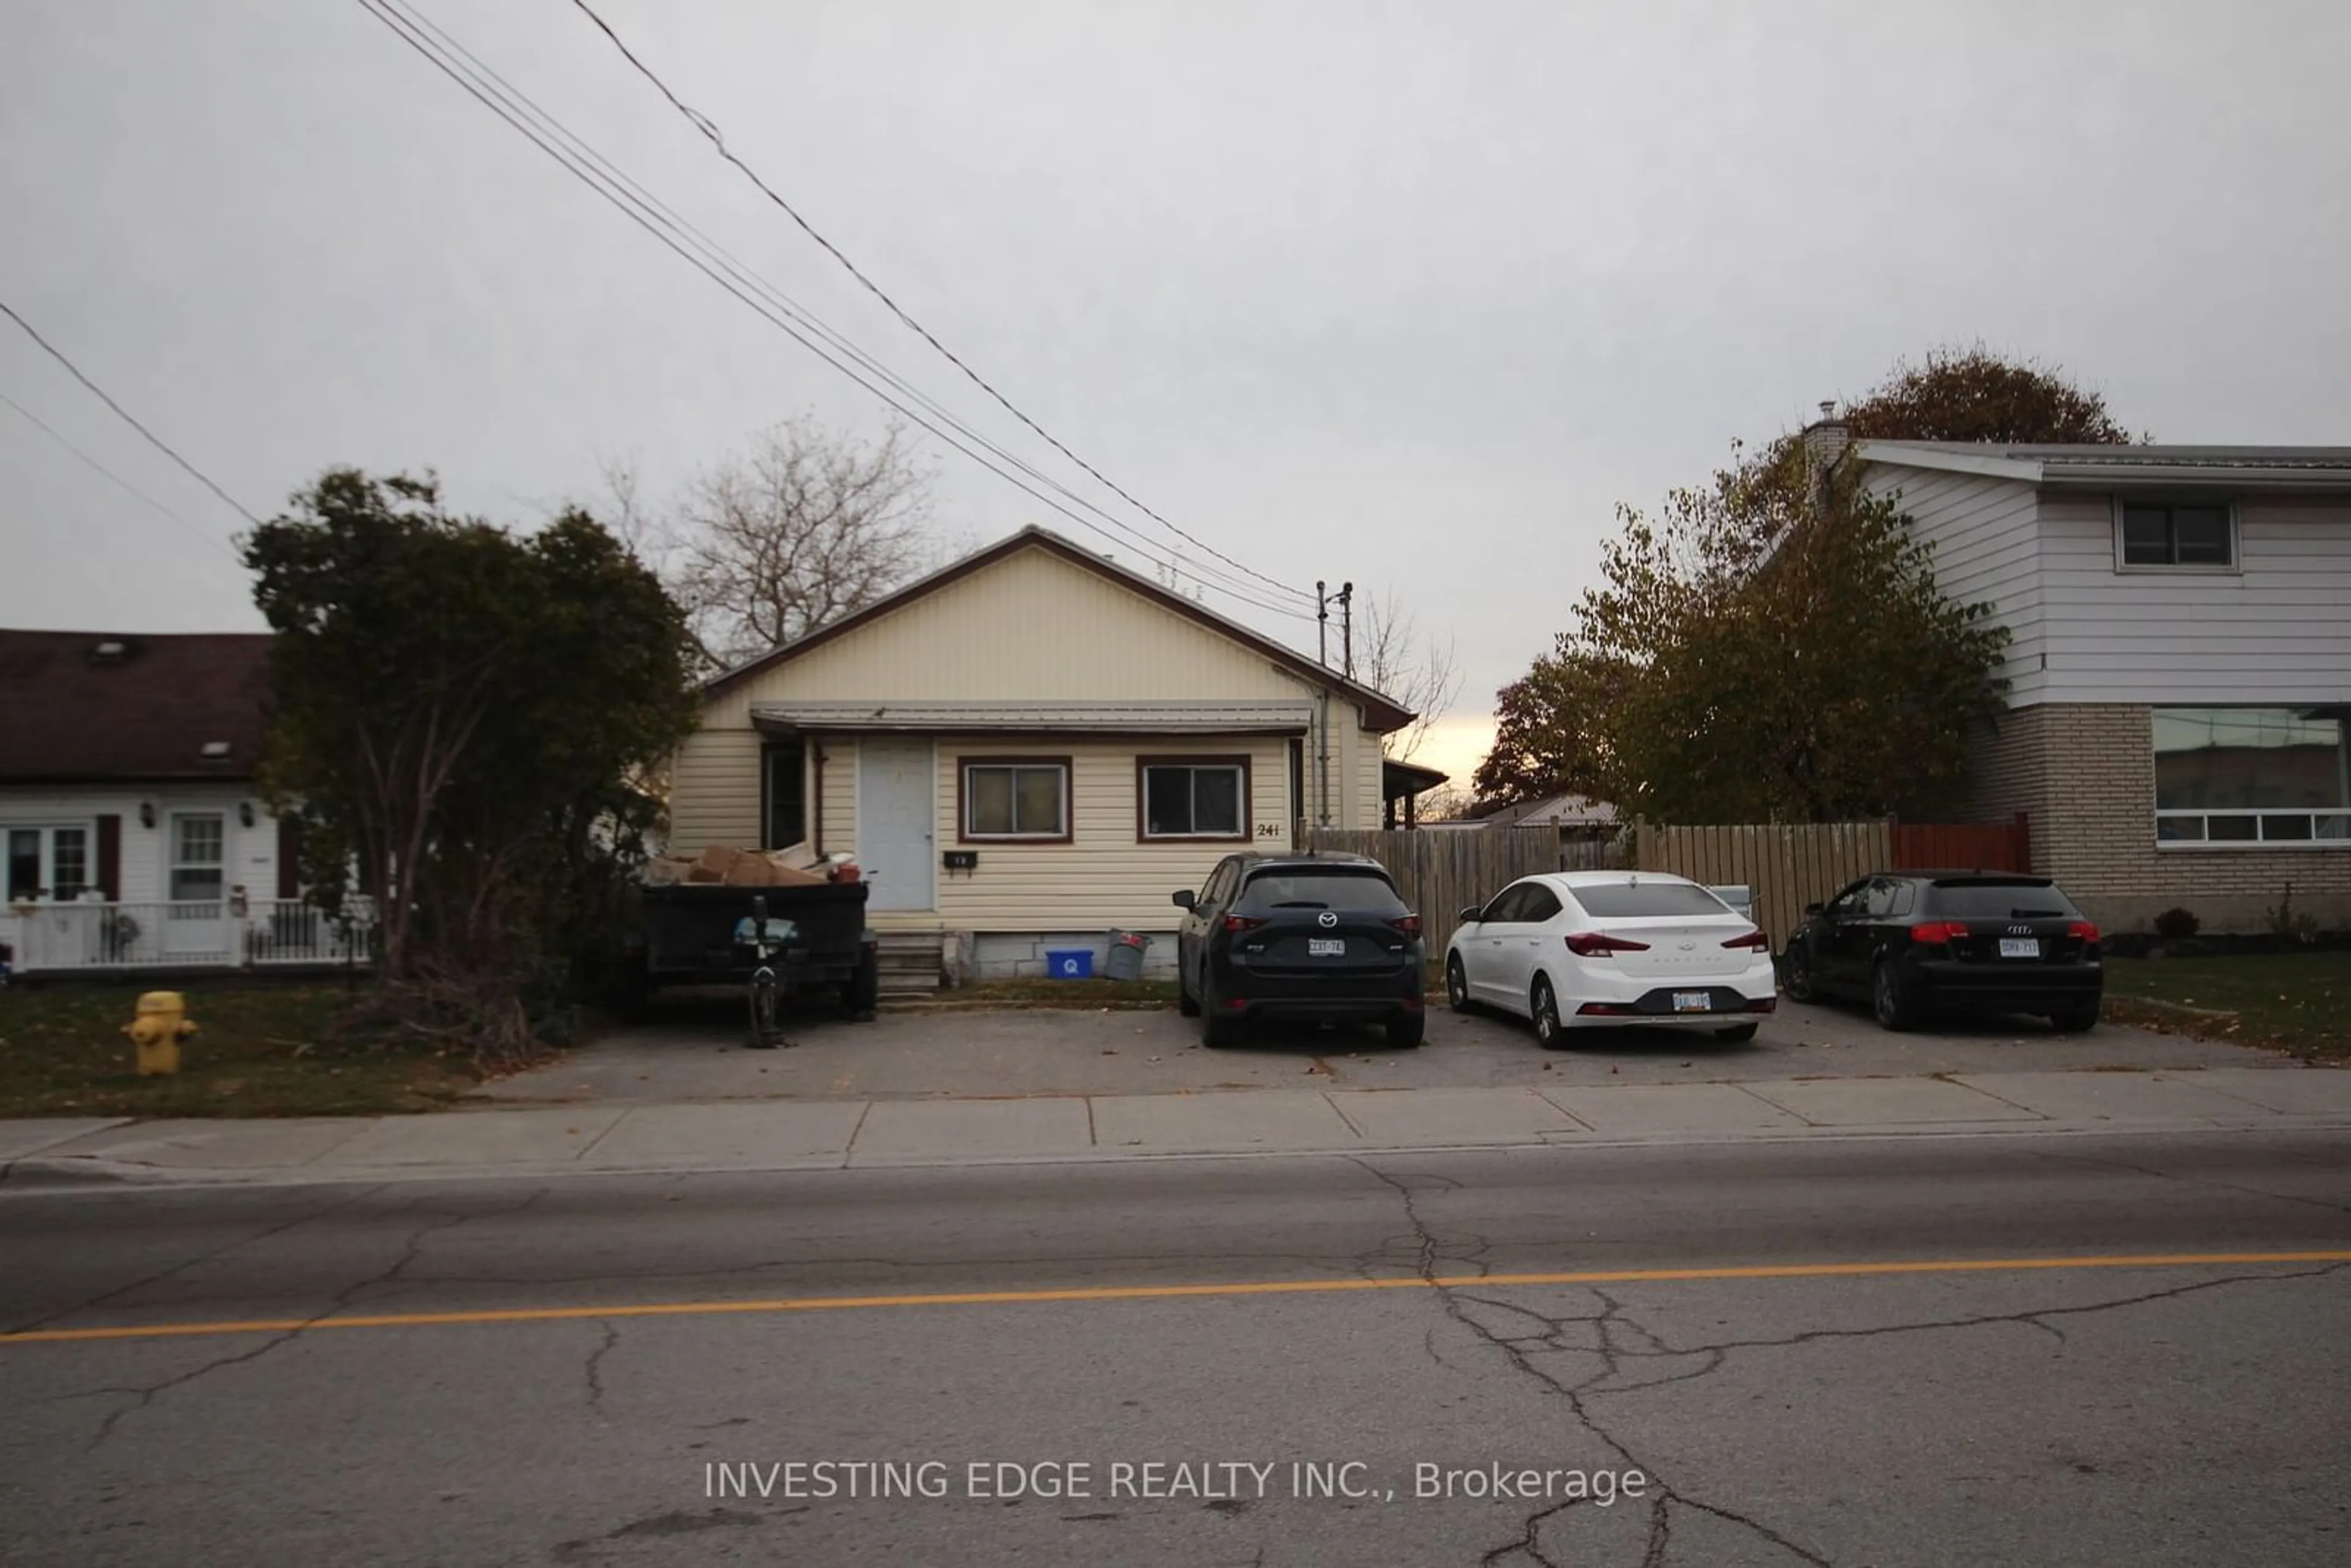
{"type": "Point", "coordinates": [2019, 948]}
{"type": "Point", "coordinates": [1693, 1001]}
{"type": "Point", "coordinates": [1326, 946]}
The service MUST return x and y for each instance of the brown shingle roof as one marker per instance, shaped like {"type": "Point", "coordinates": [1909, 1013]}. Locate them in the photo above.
{"type": "Point", "coordinates": [85, 707]}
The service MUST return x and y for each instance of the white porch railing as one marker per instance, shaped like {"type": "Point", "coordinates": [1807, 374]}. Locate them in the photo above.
{"type": "Point", "coordinates": [226, 933]}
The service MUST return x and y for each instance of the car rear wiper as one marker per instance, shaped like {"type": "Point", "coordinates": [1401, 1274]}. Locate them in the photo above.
{"type": "Point", "coordinates": [2034, 913]}
{"type": "Point", "coordinates": [1299, 904]}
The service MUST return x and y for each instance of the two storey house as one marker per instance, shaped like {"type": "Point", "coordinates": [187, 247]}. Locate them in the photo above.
{"type": "Point", "coordinates": [2179, 668]}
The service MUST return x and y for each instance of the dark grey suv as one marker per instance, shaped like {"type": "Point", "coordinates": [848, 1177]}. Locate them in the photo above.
{"type": "Point", "coordinates": [1318, 937]}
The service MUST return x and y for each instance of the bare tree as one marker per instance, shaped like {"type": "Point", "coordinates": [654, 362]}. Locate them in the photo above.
{"type": "Point", "coordinates": [1393, 658]}
{"type": "Point", "coordinates": [805, 527]}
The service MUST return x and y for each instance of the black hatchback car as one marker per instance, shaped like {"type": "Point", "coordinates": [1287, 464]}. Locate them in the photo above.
{"type": "Point", "coordinates": [1908, 942]}
{"type": "Point", "coordinates": [1316, 937]}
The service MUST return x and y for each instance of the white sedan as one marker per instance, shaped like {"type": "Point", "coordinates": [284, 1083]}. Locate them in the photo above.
{"type": "Point", "coordinates": [1597, 949]}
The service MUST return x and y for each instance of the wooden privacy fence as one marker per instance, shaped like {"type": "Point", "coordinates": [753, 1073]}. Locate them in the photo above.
{"type": "Point", "coordinates": [1441, 873]}
{"type": "Point", "coordinates": [1786, 865]}
{"type": "Point", "coordinates": [1963, 846]}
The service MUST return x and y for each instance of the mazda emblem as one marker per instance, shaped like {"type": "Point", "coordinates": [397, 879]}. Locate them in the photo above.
{"type": "Point", "coordinates": [1327, 919]}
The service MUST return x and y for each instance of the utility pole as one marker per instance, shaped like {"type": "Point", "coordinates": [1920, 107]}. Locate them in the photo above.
{"type": "Point", "coordinates": [1347, 624]}
{"type": "Point", "coordinates": [1322, 624]}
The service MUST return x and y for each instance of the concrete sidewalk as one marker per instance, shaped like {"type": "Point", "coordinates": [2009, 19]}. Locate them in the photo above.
{"type": "Point", "coordinates": [827, 1135]}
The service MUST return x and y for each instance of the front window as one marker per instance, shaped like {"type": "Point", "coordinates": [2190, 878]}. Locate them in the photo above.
{"type": "Point", "coordinates": [47, 863]}
{"type": "Point", "coordinates": [2251, 775]}
{"type": "Point", "coordinates": [1016, 799]}
{"type": "Point", "coordinates": [1204, 799]}
{"type": "Point", "coordinates": [2191, 536]}
{"type": "Point", "coordinates": [199, 859]}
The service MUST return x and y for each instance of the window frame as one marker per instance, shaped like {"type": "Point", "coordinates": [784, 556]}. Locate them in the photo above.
{"type": "Point", "coordinates": [174, 864]}
{"type": "Point", "coordinates": [45, 884]}
{"type": "Point", "coordinates": [1244, 829]}
{"type": "Point", "coordinates": [963, 765]}
{"type": "Point", "coordinates": [2319, 819]}
{"type": "Point", "coordinates": [2233, 566]}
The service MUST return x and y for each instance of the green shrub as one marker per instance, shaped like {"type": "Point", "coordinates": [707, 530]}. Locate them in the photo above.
{"type": "Point", "coordinates": [2177, 925]}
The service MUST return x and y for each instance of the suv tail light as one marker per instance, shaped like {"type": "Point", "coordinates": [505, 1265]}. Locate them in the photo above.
{"type": "Point", "coordinates": [1754, 940]}
{"type": "Point", "coordinates": [1407, 923]}
{"type": "Point", "coordinates": [1242, 922]}
{"type": "Point", "coordinates": [2082, 931]}
{"type": "Point", "coordinates": [1939, 931]}
{"type": "Point", "coordinates": [1592, 945]}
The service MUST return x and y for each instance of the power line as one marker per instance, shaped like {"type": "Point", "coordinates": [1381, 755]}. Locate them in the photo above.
{"type": "Point", "coordinates": [413, 30]}
{"type": "Point", "coordinates": [154, 440]}
{"type": "Point", "coordinates": [38, 423]}
{"type": "Point", "coordinates": [637, 196]}
{"type": "Point", "coordinates": [703, 123]}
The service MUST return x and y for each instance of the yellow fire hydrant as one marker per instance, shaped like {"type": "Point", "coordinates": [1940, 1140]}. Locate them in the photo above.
{"type": "Point", "coordinates": [156, 1033]}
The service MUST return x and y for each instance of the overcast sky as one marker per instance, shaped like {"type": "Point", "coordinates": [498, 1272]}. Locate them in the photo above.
{"type": "Point", "coordinates": [1409, 294]}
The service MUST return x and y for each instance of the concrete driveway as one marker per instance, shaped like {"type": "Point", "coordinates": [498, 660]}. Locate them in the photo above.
{"type": "Point", "coordinates": [694, 1051]}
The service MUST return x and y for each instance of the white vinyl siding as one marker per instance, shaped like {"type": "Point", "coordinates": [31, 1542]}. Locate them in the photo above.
{"type": "Point", "coordinates": [1985, 537]}
{"type": "Point", "coordinates": [250, 854]}
{"type": "Point", "coordinates": [2274, 631]}
{"type": "Point", "coordinates": [1103, 877]}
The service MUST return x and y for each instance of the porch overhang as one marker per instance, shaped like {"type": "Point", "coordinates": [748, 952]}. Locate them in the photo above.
{"type": "Point", "coordinates": [1201, 718]}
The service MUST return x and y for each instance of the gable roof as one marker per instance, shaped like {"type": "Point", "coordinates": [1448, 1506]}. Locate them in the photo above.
{"type": "Point", "coordinates": [1382, 712]}
{"type": "Point", "coordinates": [2299, 468]}
{"type": "Point", "coordinates": [93, 706]}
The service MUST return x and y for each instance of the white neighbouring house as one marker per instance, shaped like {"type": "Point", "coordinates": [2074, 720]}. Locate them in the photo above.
{"type": "Point", "coordinates": [1030, 749]}
{"type": "Point", "coordinates": [134, 837]}
{"type": "Point", "coordinates": [2180, 665]}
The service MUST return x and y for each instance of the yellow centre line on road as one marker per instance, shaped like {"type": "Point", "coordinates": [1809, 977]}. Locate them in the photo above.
{"type": "Point", "coordinates": [1169, 1292]}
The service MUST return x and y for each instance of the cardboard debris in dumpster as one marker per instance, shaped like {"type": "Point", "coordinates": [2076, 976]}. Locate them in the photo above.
{"type": "Point", "coordinates": [725, 863]}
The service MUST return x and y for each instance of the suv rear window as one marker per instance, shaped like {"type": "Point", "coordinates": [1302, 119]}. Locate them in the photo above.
{"type": "Point", "coordinates": [1368, 891]}
{"type": "Point", "coordinates": [1996, 900]}
{"type": "Point", "coordinates": [1637, 900]}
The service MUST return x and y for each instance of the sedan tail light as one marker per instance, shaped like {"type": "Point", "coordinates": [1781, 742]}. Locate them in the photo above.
{"type": "Point", "coordinates": [1592, 945]}
{"type": "Point", "coordinates": [2082, 931]}
{"type": "Point", "coordinates": [1242, 922]}
{"type": "Point", "coordinates": [1939, 931]}
{"type": "Point", "coordinates": [1407, 923]}
{"type": "Point", "coordinates": [1754, 940]}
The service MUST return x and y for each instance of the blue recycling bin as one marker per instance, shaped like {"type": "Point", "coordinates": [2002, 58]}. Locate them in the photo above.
{"type": "Point", "coordinates": [1069, 963]}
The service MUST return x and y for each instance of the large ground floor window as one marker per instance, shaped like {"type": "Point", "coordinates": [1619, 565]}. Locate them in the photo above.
{"type": "Point", "coordinates": [48, 862]}
{"type": "Point", "coordinates": [1192, 798]}
{"type": "Point", "coordinates": [2251, 775]}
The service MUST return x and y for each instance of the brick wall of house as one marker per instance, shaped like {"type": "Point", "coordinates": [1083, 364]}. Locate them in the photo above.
{"type": "Point", "coordinates": [2085, 773]}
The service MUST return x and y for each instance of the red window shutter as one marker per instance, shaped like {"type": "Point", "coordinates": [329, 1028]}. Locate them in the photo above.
{"type": "Point", "coordinates": [109, 858]}
{"type": "Point", "coordinates": [289, 857]}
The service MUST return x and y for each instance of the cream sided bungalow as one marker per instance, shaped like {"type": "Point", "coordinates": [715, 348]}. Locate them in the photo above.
{"type": "Point", "coordinates": [1027, 750]}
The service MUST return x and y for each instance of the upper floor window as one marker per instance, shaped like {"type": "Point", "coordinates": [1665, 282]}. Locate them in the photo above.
{"type": "Point", "coordinates": [2198, 534]}
{"type": "Point", "coordinates": [2251, 775]}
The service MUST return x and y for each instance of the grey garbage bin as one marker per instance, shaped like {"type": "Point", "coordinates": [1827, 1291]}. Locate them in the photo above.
{"type": "Point", "coordinates": [1125, 960]}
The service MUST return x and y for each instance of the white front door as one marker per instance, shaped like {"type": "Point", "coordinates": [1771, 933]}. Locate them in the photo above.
{"type": "Point", "coordinates": [895, 817]}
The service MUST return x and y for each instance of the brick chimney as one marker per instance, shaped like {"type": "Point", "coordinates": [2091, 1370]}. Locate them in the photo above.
{"type": "Point", "coordinates": [1826, 440]}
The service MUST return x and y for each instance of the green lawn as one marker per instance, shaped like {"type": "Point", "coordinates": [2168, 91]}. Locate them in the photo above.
{"type": "Point", "coordinates": [2295, 1002]}
{"type": "Point", "coordinates": [260, 1050]}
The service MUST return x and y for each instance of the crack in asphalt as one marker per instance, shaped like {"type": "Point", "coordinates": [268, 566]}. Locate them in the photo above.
{"type": "Point", "coordinates": [1621, 1343]}
{"type": "Point", "coordinates": [595, 1367]}
{"type": "Point", "coordinates": [2161, 1175]}
{"type": "Point", "coordinates": [143, 1395]}
{"type": "Point", "coordinates": [1455, 1303]}
{"type": "Point", "coordinates": [222, 1250]}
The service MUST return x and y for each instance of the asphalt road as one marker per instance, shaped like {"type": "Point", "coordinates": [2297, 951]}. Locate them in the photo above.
{"type": "Point", "coordinates": [592, 1349]}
